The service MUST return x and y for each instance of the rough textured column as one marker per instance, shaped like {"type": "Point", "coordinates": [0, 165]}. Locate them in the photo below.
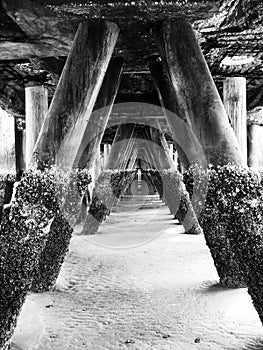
{"type": "Point", "coordinates": [7, 143]}
{"type": "Point", "coordinates": [147, 155]}
{"type": "Point", "coordinates": [196, 95]}
{"type": "Point", "coordinates": [127, 148]}
{"type": "Point", "coordinates": [20, 146]}
{"type": "Point", "coordinates": [187, 145]}
{"type": "Point", "coordinates": [255, 146]}
{"type": "Point", "coordinates": [158, 147]}
{"type": "Point", "coordinates": [36, 99]}
{"type": "Point", "coordinates": [133, 157]}
{"type": "Point", "coordinates": [72, 105]}
{"type": "Point", "coordinates": [234, 91]}
{"type": "Point", "coordinates": [175, 193]}
{"type": "Point", "coordinates": [98, 120]}
{"type": "Point", "coordinates": [120, 145]}
{"type": "Point", "coordinates": [127, 153]}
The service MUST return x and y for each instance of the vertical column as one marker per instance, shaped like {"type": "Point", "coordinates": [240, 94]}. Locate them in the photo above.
{"type": "Point", "coordinates": [7, 143]}
{"type": "Point", "coordinates": [234, 91]}
{"type": "Point", "coordinates": [105, 154]}
{"type": "Point", "coordinates": [171, 151]}
{"type": "Point", "coordinates": [36, 99]}
{"type": "Point", "coordinates": [95, 169]}
{"type": "Point", "coordinates": [20, 146]}
{"type": "Point", "coordinates": [108, 150]}
{"type": "Point", "coordinates": [255, 146]}
{"type": "Point", "coordinates": [176, 159]}
{"type": "Point", "coordinates": [97, 164]}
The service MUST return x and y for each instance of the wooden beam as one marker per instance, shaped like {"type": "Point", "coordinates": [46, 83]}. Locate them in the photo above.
{"type": "Point", "coordinates": [47, 34]}
{"type": "Point", "coordinates": [198, 100]}
{"type": "Point", "coordinates": [76, 94]}
{"type": "Point", "coordinates": [36, 99]}
{"type": "Point", "coordinates": [234, 92]}
{"type": "Point", "coordinates": [98, 120]}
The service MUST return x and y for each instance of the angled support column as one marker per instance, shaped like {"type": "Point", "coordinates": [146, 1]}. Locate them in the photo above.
{"type": "Point", "coordinates": [234, 91]}
{"type": "Point", "coordinates": [158, 147]}
{"type": "Point", "coordinates": [98, 120]}
{"type": "Point", "coordinates": [133, 157]}
{"type": "Point", "coordinates": [72, 105]}
{"type": "Point", "coordinates": [152, 157]}
{"type": "Point", "coordinates": [118, 159]}
{"type": "Point", "coordinates": [127, 153]}
{"type": "Point", "coordinates": [121, 142]}
{"type": "Point", "coordinates": [169, 150]}
{"type": "Point", "coordinates": [197, 98]}
{"type": "Point", "coordinates": [187, 145]}
{"type": "Point", "coordinates": [199, 101]}
{"type": "Point", "coordinates": [184, 211]}
{"type": "Point", "coordinates": [36, 99]}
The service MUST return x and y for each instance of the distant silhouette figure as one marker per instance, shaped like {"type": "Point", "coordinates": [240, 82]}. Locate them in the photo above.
{"type": "Point", "coordinates": [85, 203]}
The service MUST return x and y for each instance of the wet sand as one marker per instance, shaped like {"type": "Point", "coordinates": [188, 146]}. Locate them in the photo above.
{"type": "Point", "coordinates": [142, 284]}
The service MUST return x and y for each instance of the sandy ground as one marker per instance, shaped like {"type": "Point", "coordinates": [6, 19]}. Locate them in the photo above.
{"type": "Point", "coordinates": [141, 283]}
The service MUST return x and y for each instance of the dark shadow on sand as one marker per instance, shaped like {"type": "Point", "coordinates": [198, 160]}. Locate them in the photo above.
{"type": "Point", "coordinates": [256, 344]}
{"type": "Point", "coordinates": [214, 287]}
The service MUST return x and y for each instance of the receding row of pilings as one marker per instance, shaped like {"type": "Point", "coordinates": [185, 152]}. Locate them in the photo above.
{"type": "Point", "coordinates": [26, 133]}
{"type": "Point", "coordinates": [68, 133]}
{"type": "Point", "coordinates": [57, 135]}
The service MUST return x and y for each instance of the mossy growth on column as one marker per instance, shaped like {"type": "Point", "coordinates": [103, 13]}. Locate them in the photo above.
{"type": "Point", "coordinates": [47, 270]}
{"type": "Point", "coordinates": [178, 201]}
{"type": "Point", "coordinates": [109, 187]}
{"type": "Point", "coordinates": [245, 228]}
{"type": "Point", "coordinates": [216, 214]}
{"type": "Point", "coordinates": [23, 233]}
{"type": "Point", "coordinates": [30, 252]}
{"type": "Point", "coordinates": [66, 198]}
{"type": "Point", "coordinates": [157, 181]}
{"type": "Point", "coordinates": [6, 189]}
